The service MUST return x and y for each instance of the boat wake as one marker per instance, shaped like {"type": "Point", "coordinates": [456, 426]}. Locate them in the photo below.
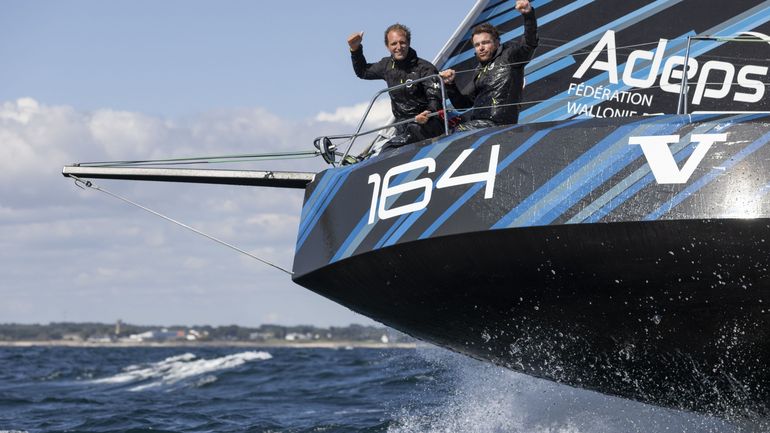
{"type": "Point", "coordinates": [179, 368]}
{"type": "Point", "coordinates": [481, 398]}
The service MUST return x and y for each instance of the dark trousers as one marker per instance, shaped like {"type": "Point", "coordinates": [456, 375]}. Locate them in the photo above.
{"type": "Point", "coordinates": [470, 125]}
{"type": "Point", "coordinates": [414, 132]}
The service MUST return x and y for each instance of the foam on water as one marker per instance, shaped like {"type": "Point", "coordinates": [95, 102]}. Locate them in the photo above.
{"type": "Point", "coordinates": [485, 398]}
{"type": "Point", "coordinates": [177, 368]}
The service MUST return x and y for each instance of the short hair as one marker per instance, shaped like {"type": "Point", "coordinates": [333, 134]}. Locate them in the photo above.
{"type": "Point", "coordinates": [399, 28]}
{"type": "Point", "coordinates": [486, 28]}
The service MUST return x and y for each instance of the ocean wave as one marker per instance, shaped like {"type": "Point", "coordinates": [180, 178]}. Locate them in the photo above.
{"type": "Point", "coordinates": [178, 368]}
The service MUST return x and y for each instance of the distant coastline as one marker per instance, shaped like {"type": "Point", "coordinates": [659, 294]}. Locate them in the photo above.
{"type": "Point", "coordinates": [244, 344]}
{"type": "Point", "coordinates": [119, 334]}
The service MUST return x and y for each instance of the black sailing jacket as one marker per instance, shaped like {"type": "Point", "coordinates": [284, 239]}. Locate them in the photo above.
{"type": "Point", "coordinates": [405, 102]}
{"type": "Point", "coordinates": [498, 82]}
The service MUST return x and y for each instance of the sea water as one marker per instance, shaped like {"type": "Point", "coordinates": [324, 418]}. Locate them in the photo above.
{"type": "Point", "coordinates": [62, 389]}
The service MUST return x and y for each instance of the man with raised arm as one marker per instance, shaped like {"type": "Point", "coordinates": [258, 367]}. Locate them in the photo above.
{"type": "Point", "coordinates": [495, 91]}
{"type": "Point", "coordinates": [415, 101]}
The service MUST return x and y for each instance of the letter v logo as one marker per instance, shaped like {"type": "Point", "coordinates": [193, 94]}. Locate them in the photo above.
{"type": "Point", "coordinates": [661, 160]}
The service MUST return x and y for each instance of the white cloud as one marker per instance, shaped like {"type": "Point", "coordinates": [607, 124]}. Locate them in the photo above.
{"type": "Point", "coordinates": [104, 276]}
{"type": "Point", "coordinates": [126, 135]}
{"type": "Point", "coordinates": [32, 136]}
{"type": "Point", "coordinates": [278, 222]}
{"type": "Point", "coordinates": [195, 262]}
{"type": "Point", "coordinates": [20, 111]}
{"type": "Point", "coordinates": [154, 238]}
{"type": "Point", "coordinates": [123, 260]}
{"type": "Point", "coordinates": [379, 115]}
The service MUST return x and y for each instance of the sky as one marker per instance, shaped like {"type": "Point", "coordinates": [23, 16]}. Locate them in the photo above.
{"type": "Point", "coordinates": [93, 81]}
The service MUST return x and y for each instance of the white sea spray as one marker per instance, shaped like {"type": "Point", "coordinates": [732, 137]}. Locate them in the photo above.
{"type": "Point", "coordinates": [180, 367]}
{"type": "Point", "coordinates": [484, 398]}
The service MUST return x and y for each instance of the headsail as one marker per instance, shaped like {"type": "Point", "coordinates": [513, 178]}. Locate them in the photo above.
{"type": "Point", "coordinates": [609, 58]}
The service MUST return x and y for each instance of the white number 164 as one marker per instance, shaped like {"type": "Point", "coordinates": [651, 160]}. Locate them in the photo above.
{"type": "Point", "coordinates": [382, 190]}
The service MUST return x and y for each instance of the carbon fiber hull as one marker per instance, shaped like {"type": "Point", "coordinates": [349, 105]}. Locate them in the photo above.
{"type": "Point", "coordinates": [588, 261]}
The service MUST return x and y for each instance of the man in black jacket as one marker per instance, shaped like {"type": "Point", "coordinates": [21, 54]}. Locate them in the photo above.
{"type": "Point", "coordinates": [415, 101]}
{"type": "Point", "coordinates": [495, 91]}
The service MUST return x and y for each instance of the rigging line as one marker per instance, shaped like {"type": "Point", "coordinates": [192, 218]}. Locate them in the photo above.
{"type": "Point", "coordinates": [151, 163]}
{"type": "Point", "coordinates": [702, 56]}
{"type": "Point", "coordinates": [620, 54]}
{"type": "Point", "coordinates": [574, 53]}
{"type": "Point", "coordinates": [738, 39]}
{"type": "Point", "coordinates": [520, 103]}
{"type": "Point", "coordinates": [555, 99]}
{"type": "Point", "coordinates": [564, 41]}
{"type": "Point", "coordinates": [211, 159]}
{"type": "Point", "coordinates": [712, 56]}
{"type": "Point", "coordinates": [88, 184]}
{"type": "Point", "coordinates": [617, 48]}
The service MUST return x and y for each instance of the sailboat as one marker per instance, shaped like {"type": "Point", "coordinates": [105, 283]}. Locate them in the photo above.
{"type": "Point", "coordinates": [617, 239]}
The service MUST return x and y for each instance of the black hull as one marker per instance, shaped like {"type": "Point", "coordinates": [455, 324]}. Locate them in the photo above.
{"type": "Point", "coordinates": [591, 244]}
{"type": "Point", "coordinates": [674, 313]}
{"type": "Point", "coordinates": [585, 259]}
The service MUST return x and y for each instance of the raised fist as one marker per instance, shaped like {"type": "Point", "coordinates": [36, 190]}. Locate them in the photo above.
{"type": "Point", "coordinates": [523, 6]}
{"type": "Point", "coordinates": [354, 40]}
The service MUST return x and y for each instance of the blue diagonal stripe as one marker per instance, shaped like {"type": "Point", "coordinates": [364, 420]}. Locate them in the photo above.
{"type": "Point", "coordinates": [552, 109]}
{"type": "Point", "coordinates": [400, 179]}
{"type": "Point", "coordinates": [594, 35]}
{"type": "Point", "coordinates": [518, 31]}
{"type": "Point", "coordinates": [534, 200]}
{"type": "Point", "coordinates": [494, 10]}
{"type": "Point", "coordinates": [510, 15]}
{"type": "Point", "coordinates": [643, 177]}
{"type": "Point", "coordinates": [550, 69]}
{"type": "Point", "coordinates": [359, 233]}
{"type": "Point", "coordinates": [707, 178]}
{"type": "Point", "coordinates": [320, 203]}
{"type": "Point", "coordinates": [414, 216]}
{"type": "Point", "coordinates": [582, 186]}
{"type": "Point", "coordinates": [502, 165]}
{"type": "Point", "coordinates": [326, 200]}
{"type": "Point", "coordinates": [311, 202]}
